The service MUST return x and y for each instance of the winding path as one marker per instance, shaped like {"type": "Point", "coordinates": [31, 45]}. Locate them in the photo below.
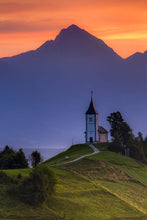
{"type": "Point", "coordinates": [95, 151]}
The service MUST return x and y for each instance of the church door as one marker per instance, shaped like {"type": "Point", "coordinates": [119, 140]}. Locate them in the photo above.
{"type": "Point", "coordinates": [91, 139]}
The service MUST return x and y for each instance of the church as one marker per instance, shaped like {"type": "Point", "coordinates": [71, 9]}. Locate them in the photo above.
{"type": "Point", "coordinates": [94, 133]}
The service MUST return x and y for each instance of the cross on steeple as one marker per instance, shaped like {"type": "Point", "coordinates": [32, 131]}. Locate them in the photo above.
{"type": "Point", "coordinates": [91, 93]}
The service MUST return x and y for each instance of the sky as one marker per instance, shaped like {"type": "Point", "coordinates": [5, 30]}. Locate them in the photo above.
{"type": "Point", "coordinates": [26, 24]}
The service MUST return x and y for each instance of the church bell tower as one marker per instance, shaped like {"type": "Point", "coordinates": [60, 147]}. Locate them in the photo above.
{"type": "Point", "coordinates": [91, 134]}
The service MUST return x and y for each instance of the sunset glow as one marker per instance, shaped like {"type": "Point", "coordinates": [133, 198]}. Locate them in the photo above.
{"type": "Point", "coordinates": [26, 24]}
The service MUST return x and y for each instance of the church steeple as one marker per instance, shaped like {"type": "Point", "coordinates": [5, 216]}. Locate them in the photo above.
{"type": "Point", "coordinates": [94, 133]}
{"type": "Point", "coordinates": [91, 134]}
{"type": "Point", "coordinates": [91, 110]}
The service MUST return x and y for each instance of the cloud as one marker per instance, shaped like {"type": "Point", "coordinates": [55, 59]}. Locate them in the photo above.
{"type": "Point", "coordinates": [17, 6]}
{"type": "Point", "coordinates": [14, 6]}
{"type": "Point", "coordinates": [14, 26]}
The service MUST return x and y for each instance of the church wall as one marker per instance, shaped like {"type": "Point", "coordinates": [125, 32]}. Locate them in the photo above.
{"type": "Point", "coordinates": [103, 138]}
{"type": "Point", "coordinates": [96, 127]}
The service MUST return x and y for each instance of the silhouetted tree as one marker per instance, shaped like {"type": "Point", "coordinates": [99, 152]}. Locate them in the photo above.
{"type": "Point", "coordinates": [123, 140]}
{"type": "Point", "coordinates": [121, 132]}
{"type": "Point", "coordinates": [115, 119]}
{"type": "Point", "coordinates": [10, 159]}
{"type": "Point", "coordinates": [137, 150]}
{"type": "Point", "coordinates": [35, 158]}
{"type": "Point", "coordinates": [145, 146]}
{"type": "Point", "coordinates": [115, 145]}
{"type": "Point", "coordinates": [21, 159]}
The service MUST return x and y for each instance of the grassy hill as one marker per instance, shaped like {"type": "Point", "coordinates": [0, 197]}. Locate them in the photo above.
{"type": "Point", "coordinates": [72, 153]}
{"type": "Point", "coordinates": [102, 186]}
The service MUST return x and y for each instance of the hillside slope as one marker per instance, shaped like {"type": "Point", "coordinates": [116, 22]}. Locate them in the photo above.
{"type": "Point", "coordinates": [72, 153]}
{"type": "Point", "coordinates": [103, 186]}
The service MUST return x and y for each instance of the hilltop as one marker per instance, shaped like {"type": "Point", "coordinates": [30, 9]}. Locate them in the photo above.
{"type": "Point", "coordinates": [102, 186]}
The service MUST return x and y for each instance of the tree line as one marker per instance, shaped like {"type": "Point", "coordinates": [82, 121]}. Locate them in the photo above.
{"type": "Point", "coordinates": [123, 139]}
{"type": "Point", "coordinates": [34, 188]}
{"type": "Point", "coordinates": [11, 159]}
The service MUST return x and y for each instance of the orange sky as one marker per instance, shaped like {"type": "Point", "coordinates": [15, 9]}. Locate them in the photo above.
{"type": "Point", "coordinates": [26, 24]}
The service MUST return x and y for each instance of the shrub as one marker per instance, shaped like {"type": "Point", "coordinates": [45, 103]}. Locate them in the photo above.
{"type": "Point", "coordinates": [36, 188]}
{"type": "Point", "coordinates": [4, 178]}
{"type": "Point", "coordinates": [115, 147]}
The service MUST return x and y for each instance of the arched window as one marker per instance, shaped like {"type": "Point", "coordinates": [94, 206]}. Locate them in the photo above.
{"type": "Point", "coordinates": [90, 119]}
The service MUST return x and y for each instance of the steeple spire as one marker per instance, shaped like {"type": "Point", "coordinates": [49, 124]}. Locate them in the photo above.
{"type": "Point", "coordinates": [91, 109]}
{"type": "Point", "coordinates": [92, 94]}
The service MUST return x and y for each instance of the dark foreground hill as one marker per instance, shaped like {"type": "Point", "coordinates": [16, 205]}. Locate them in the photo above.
{"type": "Point", "coordinates": [103, 186]}
{"type": "Point", "coordinates": [44, 93]}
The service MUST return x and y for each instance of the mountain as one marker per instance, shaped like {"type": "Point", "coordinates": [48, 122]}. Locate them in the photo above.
{"type": "Point", "coordinates": [138, 61]}
{"type": "Point", "coordinates": [138, 57]}
{"type": "Point", "coordinates": [45, 92]}
{"type": "Point", "coordinates": [75, 42]}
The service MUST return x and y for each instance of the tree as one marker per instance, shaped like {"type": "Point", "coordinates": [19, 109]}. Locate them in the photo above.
{"type": "Point", "coordinates": [126, 134]}
{"type": "Point", "coordinates": [116, 146]}
{"type": "Point", "coordinates": [10, 159]}
{"type": "Point", "coordinates": [35, 158]}
{"type": "Point", "coordinates": [4, 178]}
{"type": "Point", "coordinates": [140, 137]}
{"type": "Point", "coordinates": [115, 119]}
{"type": "Point", "coordinates": [21, 159]}
{"type": "Point", "coordinates": [137, 150]}
{"type": "Point", "coordinates": [124, 141]}
{"type": "Point", "coordinates": [145, 146]}
{"type": "Point", "coordinates": [120, 131]}
{"type": "Point", "coordinates": [39, 186]}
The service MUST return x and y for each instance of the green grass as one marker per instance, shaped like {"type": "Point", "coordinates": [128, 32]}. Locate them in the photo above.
{"type": "Point", "coordinates": [99, 187]}
{"type": "Point", "coordinates": [15, 172]}
{"type": "Point", "coordinates": [132, 193]}
{"type": "Point", "coordinates": [121, 176]}
{"type": "Point", "coordinates": [12, 208]}
{"type": "Point", "coordinates": [79, 198]}
{"type": "Point", "coordinates": [73, 152]}
{"type": "Point", "coordinates": [133, 168]}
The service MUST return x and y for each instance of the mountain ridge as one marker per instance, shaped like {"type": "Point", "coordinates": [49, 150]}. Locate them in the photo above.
{"type": "Point", "coordinates": [72, 28]}
{"type": "Point", "coordinates": [43, 92]}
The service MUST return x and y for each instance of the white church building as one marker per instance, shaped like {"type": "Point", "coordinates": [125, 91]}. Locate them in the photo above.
{"type": "Point", "coordinates": [94, 133]}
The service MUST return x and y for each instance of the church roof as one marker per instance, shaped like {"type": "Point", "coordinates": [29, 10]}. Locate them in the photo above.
{"type": "Point", "coordinates": [102, 130]}
{"type": "Point", "coordinates": [91, 109]}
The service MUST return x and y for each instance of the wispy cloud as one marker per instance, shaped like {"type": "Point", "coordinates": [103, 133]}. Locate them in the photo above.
{"type": "Point", "coordinates": [14, 26]}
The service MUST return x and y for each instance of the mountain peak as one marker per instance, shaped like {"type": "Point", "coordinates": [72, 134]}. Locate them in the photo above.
{"type": "Point", "coordinates": [73, 27]}
{"type": "Point", "coordinates": [137, 56]}
{"type": "Point", "coordinates": [74, 41]}
{"type": "Point", "coordinates": [80, 41]}
{"type": "Point", "coordinates": [74, 34]}
{"type": "Point", "coordinates": [70, 31]}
